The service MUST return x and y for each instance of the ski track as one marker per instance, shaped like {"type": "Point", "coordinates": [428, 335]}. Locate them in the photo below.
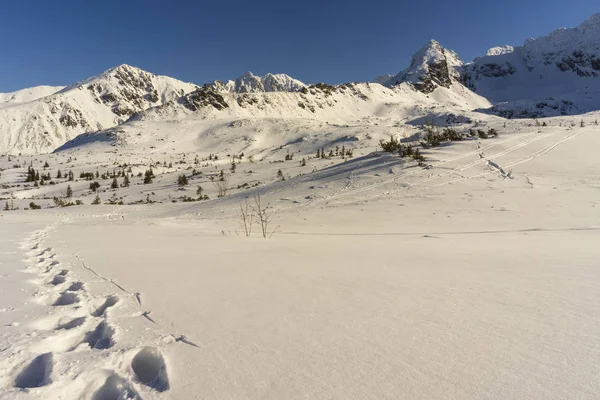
{"type": "Point", "coordinates": [456, 170]}
{"type": "Point", "coordinates": [77, 325]}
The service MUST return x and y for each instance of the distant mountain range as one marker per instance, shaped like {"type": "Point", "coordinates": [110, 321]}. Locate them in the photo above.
{"type": "Point", "coordinates": [557, 74]}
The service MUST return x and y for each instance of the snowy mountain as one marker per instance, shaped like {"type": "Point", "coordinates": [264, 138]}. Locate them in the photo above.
{"type": "Point", "coordinates": [558, 74]}
{"type": "Point", "coordinates": [41, 119]}
{"type": "Point", "coordinates": [552, 75]}
{"type": "Point", "coordinates": [431, 67]}
{"type": "Point", "coordinates": [250, 83]}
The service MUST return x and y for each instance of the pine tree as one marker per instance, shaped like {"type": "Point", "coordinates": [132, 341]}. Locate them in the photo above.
{"type": "Point", "coordinates": [96, 200]}
{"type": "Point", "coordinates": [126, 181]}
{"type": "Point", "coordinates": [199, 190]}
{"type": "Point", "coordinates": [148, 175]}
{"type": "Point", "coordinates": [318, 153]}
{"type": "Point", "coordinates": [58, 175]}
{"type": "Point", "coordinates": [94, 186]}
{"type": "Point", "coordinates": [182, 180]}
{"type": "Point", "coordinates": [70, 176]}
{"type": "Point", "coordinates": [69, 192]}
{"type": "Point", "coordinates": [280, 175]}
{"type": "Point", "coordinates": [6, 207]}
{"type": "Point", "coordinates": [114, 184]}
{"type": "Point", "coordinates": [582, 124]}
{"type": "Point", "coordinates": [303, 162]}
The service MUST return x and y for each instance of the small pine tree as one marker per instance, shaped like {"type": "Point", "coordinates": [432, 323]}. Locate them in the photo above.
{"type": "Point", "coordinates": [59, 174]}
{"type": "Point", "coordinates": [582, 124]}
{"type": "Point", "coordinates": [148, 175]}
{"type": "Point", "coordinates": [182, 180]}
{"type": "Point", "coordinates": [199, 190]}
{"type": "Point", "coordinates": [46, 165]}
{"type": "Point", "coordinates": [70, 176]}
{"type": "Point", "coordinates": [318, 153]}
{"type": "Point", "coordinates": [96, 200]}
{"type": "Point", "coordinates": [233, 165]}
{"type": "Point", "coordinates": [6, 207]}
{"type": "Point", "coordinates": [303, 162]}
{"type": "Point", "coordinates": [69, 192]}
{"type": "Point", "coordinates": [126, 181]}
{"type": "Point", "coordinates": [94, 186]}
{"type": "Point", "coordinates": [280, 175]}
{"type": "Point", "coordinates": [114, 184]}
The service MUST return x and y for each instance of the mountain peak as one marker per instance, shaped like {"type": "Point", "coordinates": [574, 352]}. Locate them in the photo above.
{"type": "Point", "coordinates": [430, 67]}
{"type": "Point", "coordinates": [250, 83]}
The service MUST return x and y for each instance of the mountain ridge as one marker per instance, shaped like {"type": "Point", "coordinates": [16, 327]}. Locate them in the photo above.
{"type": "Point", "coordinates": [556, 74]}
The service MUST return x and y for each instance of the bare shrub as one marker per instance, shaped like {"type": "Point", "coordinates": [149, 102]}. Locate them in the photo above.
{"type": "Point", "coordinates": [246, 217]}
{"type": "Point", "coordinates": [263, 215]}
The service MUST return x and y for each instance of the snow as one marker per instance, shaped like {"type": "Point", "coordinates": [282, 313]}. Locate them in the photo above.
{"type": "Point", "coordinates": [497, 51]}
{"type": "Point", "coordinates": [472, 275]}
{"type": "Point", "coordinates": [27, 95]}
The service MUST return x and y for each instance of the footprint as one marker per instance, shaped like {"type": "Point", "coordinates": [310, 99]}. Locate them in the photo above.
{"type": "Point", "coordinates": [101, 337]}
{"type": "Point", "coordinates": [75, 286]}
{"type": "Point", "coordinates": [150, 369]}
{"type": "Point", "coordinates": [58, 279]}
{"type": "Point", "coordinates": [66, 299]}
{"type": "Point", "coordinates": [74, 323]}
{"type": "Point", "coordinates": [64, 272]}
{"type": "Point", "coordinates": [109, 302]}
{"type": "Point", "coordinates": [36, 373]}
{"type": "Point", "coordinates": [53, 263]}
{"type": "Point", "coordinates": [115, 388]}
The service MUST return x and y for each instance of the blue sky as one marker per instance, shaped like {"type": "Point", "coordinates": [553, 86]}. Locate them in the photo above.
{"type": "Point", "coordinates": [63, 41]}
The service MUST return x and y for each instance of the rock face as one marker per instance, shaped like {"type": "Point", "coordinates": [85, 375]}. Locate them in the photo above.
{"type": "Point", "coordinates": [41, 123]}
{"type": "Point", "coordinates": [431, 67]}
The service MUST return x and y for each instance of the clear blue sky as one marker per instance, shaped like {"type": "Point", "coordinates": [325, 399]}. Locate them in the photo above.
{"type": "Point", "coordinates": [63, 41]}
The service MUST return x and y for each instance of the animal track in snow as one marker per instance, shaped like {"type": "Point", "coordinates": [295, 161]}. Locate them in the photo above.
{"type": "Point", "coordinates": [66, 299]}
{"type": "Point", "coordinates": [101, 337]}
{"type": "Point", "coordinates": [36, 373]}
{"type": "Point", "coordinates": [109, 302]}
{"type": "Point", "coordinates": [75, 286]}
{"type": "Point", "coordinates": [115, 388]}
{"type": "Point", "coordinates": [150, 369]}
{"type": "Point", "coordinates": [57, 280]}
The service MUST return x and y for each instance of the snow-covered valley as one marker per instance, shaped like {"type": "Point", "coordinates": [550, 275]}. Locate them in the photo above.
{"type": "Point", "coordinates": [251, 239]}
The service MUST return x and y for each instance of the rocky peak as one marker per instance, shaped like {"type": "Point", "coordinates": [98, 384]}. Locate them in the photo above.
{"type": "Point", "coordinates": [250, 83]}
{"type": "Point", "coordinates": [430, 67]}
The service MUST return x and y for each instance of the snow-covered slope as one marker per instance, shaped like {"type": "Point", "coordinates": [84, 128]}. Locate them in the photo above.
{"type": "Point", "coordinates": [94, 104]}
{"type": "Point", "coordinates": [317, 115]}
{"type": "Point", "coordinates": [27, 95]}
